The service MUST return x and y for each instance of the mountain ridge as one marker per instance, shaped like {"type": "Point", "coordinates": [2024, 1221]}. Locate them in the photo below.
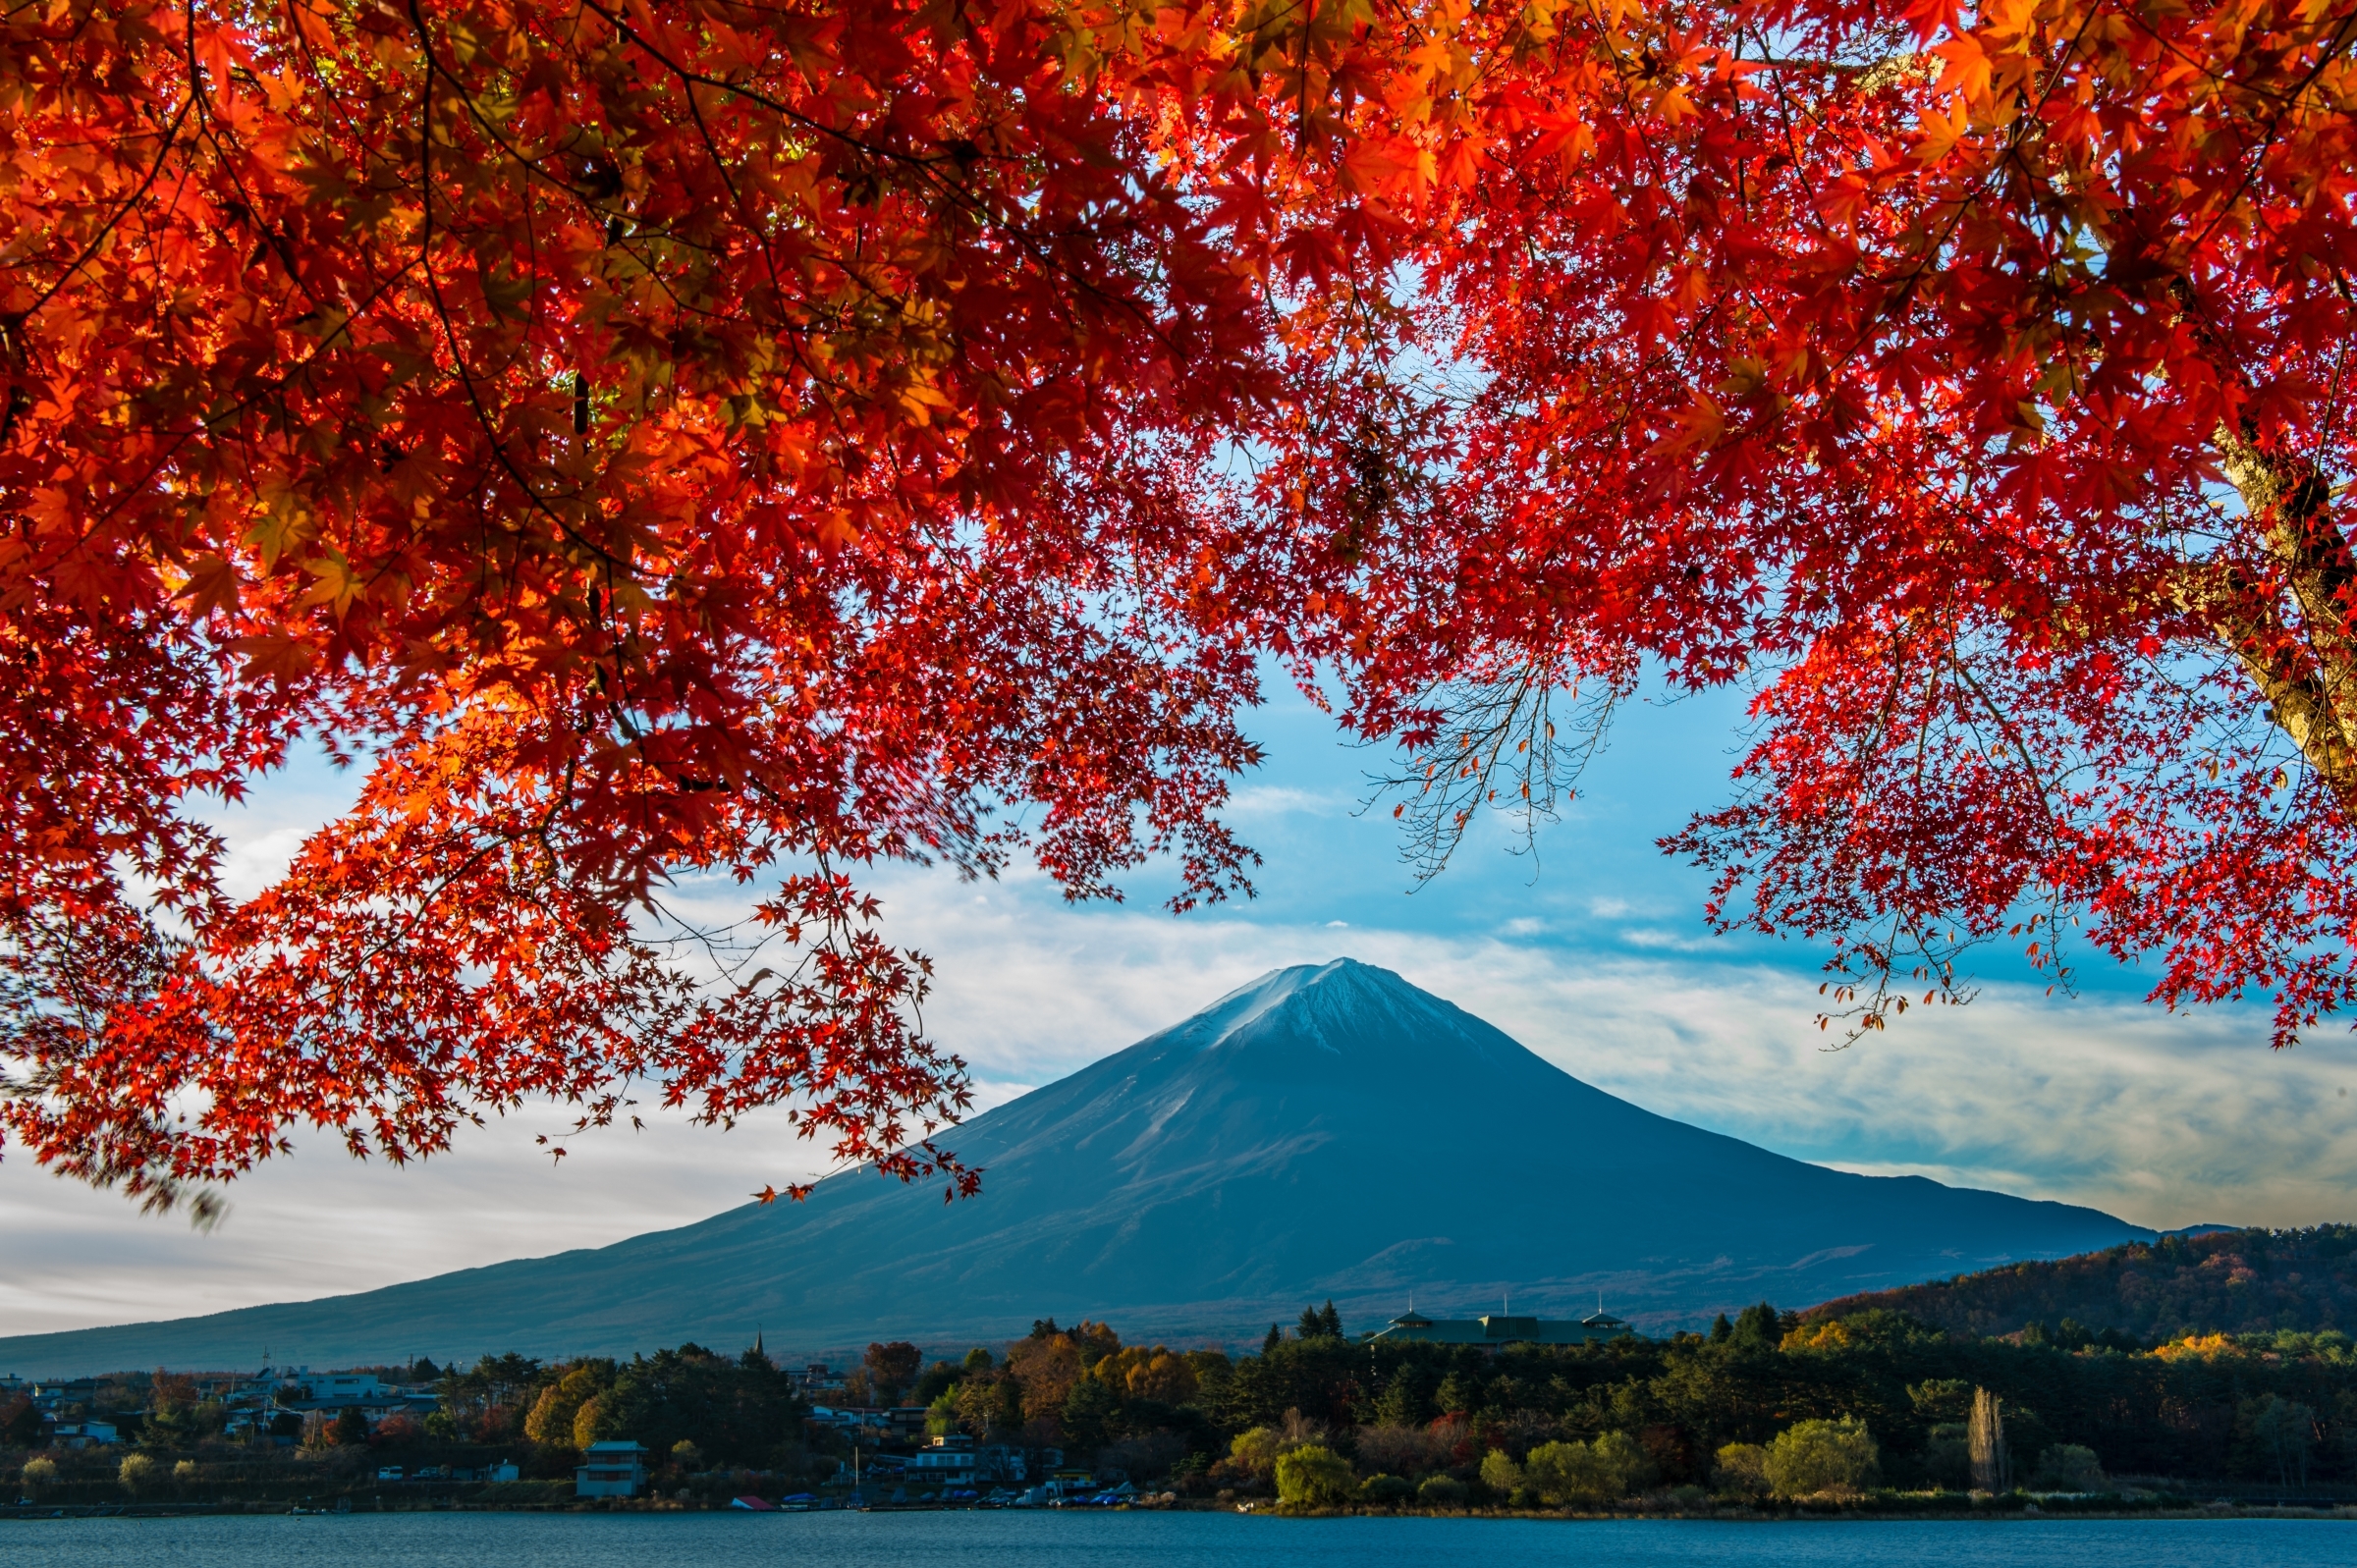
{"type": "Point", "coordinates": [1326, 1131]}
{"type": "Point", "coordinates": [2199, 1280]}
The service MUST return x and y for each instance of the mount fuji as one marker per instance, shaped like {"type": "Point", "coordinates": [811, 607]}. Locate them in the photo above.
{"type": "Point", "coordinates": [1327, 1131]}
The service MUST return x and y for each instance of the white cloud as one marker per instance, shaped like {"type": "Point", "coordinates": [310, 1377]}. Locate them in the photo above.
{"type": "Point", "coordinates": [320, 1224]}
{"type": "Point", "coordinates": [1261, 802]}
{"type": "Point", "coordinates": [1666, 940]}
{"type": "Point", "coordinates": [2164, 1120]}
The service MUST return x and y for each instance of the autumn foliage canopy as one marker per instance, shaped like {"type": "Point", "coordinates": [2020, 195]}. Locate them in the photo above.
{"type": "Point", "coordinates": [683, 443]}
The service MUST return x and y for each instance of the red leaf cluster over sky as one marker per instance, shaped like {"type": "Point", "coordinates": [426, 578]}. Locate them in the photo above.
{"type": "Point", "coordinates": [682, 440]}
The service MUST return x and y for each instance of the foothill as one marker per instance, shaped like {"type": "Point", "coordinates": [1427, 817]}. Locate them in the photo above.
{"type": "Point", "coordinates": [1854, 1406]}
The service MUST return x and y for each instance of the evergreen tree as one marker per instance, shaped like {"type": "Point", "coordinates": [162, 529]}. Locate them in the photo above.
{"type": "Point", "coordinates": [1755, 1327]}
{"type": "Point", "coordinates": [1722, 1330]}
{"type": "Point", "coordinates": [1276, 1338]}
{"type": "Point", "coordinates": [1006, 1415]}
{"type": "Point", "coordinates": [1091, 1410]}
{"type": "Point", "coordinates": [1402, 1402]}
{"type": "Point", "coordinates": [1330, 1321]}
{"type": "Point", "coordinates": [1312, 1326]}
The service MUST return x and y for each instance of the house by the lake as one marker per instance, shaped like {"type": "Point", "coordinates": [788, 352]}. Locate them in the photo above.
{"type": "Point", "coordinates": [611, 1470]}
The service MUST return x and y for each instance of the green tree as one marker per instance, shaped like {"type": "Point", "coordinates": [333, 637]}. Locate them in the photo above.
{"type": "Point", "coordinates": [1089, 1413]}
{"type": "Point", "coordinates": [1947, 1454]}
{"type": "Point", "coordinates": [979, 1360]}
{"type": "Point", "coordinates": [1314, 1477]}
{"type": "Point", "coordinates": [1321, 1322]}
{"type": "Point", "coordinates": [991, 1404]}
{"type": "Point", "coordinates": [1822, 1456]}
{"type": "Point", "coordinates": [350, 1429]}
{"type": "Point", "coordinates": [1318, 1377]}
{"type": "Point", "coordinates": [2068, 1467]}
{"type": "Point", "coordinates": [1276, 1338]}
{"type": "Point", "coordinates": [1213, 1373]}
{"type": "Point", "coordinates": [1500, 1473]}
{"type": "Point", "coordinates": [1742, 1466]}
{"type": "Point", "coordinates": [1404, 1400]}
{"type": "Point", "coordinates": [493, 1400]}
{"type": "Point", "coordinates": [1442, 1491]}
{"type": "Point", "coordinates": [1604, 1471]}
{"type": "Point", "coordinates": [1756, 1329]}
{"type": "Point", "coordinates": [1720, 1330]}
{"type": "Point", "coordinates": [2283, 1432]}
{"type": "Point", "coordinates": [938, 1380]}
{"type": "Point", "coordinates": [1455, 1396]}
{"type": "Point", "coordinates": [1257, 1449]}
{"type": "Point", "coordinates": [1940, 1400]}
{"type": "Point", "coordinates": [737, 1413]}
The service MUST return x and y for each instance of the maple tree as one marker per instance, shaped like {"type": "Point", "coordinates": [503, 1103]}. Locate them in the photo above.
{"type": "Point", "coordinates": [673, 442]}
{"type": "Point", "coordinates": [682, 443]}
{"type": "Point", "coordinates": [1970, 385]}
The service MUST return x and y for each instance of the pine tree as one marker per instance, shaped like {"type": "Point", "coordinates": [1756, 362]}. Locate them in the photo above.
{"type": "Point", "coordinates": [1276, 1338]}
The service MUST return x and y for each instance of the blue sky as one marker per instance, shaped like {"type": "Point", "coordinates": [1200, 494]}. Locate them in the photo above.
{"type": "Point", "coordinates": [1597, 957]}
{"type": "Point", "coordinates": [1597, 883]}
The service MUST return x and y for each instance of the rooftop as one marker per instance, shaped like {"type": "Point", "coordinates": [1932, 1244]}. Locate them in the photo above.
{"type": "Point", "coordinates": [1499, 1328]}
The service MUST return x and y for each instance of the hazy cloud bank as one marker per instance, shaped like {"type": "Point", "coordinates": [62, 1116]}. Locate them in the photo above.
{"type": "Point", "coordinates": [2161, 1120]}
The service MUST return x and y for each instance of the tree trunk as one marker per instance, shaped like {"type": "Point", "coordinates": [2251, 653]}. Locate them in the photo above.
{"type": "Point", "coordinates": [2306, 670]}
{"type": "Point", "coordinates": [1990, 1470]}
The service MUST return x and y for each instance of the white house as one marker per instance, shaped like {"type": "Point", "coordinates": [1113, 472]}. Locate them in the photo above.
{"type": "Point", "coordinates": [337, 1390]}
{"type": "Point", "coordinates": [82, 1433]}
{"type": "Point", "coordinates": [948, 1462]}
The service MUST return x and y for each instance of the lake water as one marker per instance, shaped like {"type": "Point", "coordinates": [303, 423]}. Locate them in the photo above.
{"type": "Point", "coordinates": [1149, 1540]}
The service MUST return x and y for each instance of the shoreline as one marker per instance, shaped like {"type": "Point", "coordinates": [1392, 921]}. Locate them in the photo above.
{"type": "Point", "coordinates": [2335, 1509]}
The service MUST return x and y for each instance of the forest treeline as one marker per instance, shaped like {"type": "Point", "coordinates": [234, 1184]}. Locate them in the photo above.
{"type": "Point", "coordinates": [2231, 1282]}
{"type": "Point", "coordinates": [1764, 1402]}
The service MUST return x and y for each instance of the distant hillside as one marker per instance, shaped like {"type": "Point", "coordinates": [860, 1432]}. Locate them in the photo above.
{"type": "Point", "coordinates": [1327, 1132]}
{"type": "Point", "coordinates": [2224, 1281]}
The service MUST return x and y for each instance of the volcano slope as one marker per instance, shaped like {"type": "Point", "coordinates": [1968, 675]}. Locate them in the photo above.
{"type": "Point", "coordinates": [1326, 1131]}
